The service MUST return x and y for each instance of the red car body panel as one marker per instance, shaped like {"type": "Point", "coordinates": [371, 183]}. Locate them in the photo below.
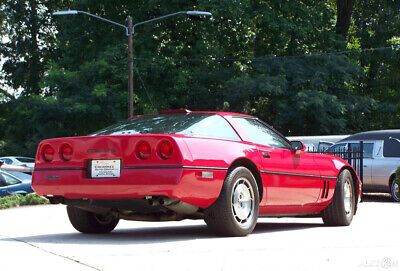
{"type": "Point", "coordinates": [292, 183]}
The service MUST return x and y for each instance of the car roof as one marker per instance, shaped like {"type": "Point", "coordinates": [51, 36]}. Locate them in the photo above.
{"type": "Point", "coordinates": [16, 157]}
{"type": "Point", "coordinates": [374, 135]}
{"type": "Point", "coordinates": [186, 111]}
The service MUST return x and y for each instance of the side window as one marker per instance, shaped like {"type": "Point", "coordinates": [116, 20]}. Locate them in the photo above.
{"type": "Point", "coordinates": [261, 134]}
{"type": "Point", "coordinates": [10, 180]}
{"type": "Point", "coordinates": [391, 148]}
{"type": "Point", "coordinates": [367, 148]}
{"type": "Point", "coordinates": [7, 161]}
{"type": "Point", "coordinates": [214, 126]}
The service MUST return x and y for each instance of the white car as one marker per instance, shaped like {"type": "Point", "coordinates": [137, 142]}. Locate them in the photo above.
{"type": "Point", "coordinates": [381, 153]}
{"type": "Point", "coordinates": [19, 161]}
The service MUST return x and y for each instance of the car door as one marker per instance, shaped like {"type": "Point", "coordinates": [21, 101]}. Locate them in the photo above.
{"type": "Point", "coordinates": [385, 162]}
{"type": "Point", "coordinates": [291, 178]}
{"type": "Point", "coordinates": [369, 149]}
{"type": "Point", "coordinates": [8, 184]}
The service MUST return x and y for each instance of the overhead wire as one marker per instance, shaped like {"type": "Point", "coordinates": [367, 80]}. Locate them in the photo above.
{"type": "Point", "coordinates": [145, 89]}
{"type": "Point", "coordinates": [259, 59]}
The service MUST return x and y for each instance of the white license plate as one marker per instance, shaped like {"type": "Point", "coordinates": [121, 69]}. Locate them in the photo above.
{"type": "Point", "coordinates": [105, 168]}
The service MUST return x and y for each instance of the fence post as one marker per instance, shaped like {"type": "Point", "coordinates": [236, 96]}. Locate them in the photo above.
{"type": "Point", "coordinates": [349, 160]}
{"type": "Point", "coordinates": [361, 161]}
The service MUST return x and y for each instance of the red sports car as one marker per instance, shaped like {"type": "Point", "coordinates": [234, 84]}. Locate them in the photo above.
{"type": "Point", "coordinates": [226, 168]}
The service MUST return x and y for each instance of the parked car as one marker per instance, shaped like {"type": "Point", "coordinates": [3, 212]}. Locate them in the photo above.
{"type": "Point", "coordinates": [10, 184]}
{"type": "Point", "coordinates": [225, 168]}
{"type": "Point", "coordinates": [318, 143]}
{"type": "Point", "coordinates": [21, 175]}
{"type": "Point", "coordinates": [381, 151]}
{"type": "Point", "coordinates": [19, 161]}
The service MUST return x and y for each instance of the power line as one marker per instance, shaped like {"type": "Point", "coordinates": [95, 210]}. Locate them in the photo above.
{"type": "Point", "coordinates": [260, 59]}
{"type": "Point", "coordinates": [141, 80]}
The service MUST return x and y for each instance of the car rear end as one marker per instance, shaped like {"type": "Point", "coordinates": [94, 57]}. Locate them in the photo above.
{"type": "Point", "coordinates": [108, 166]}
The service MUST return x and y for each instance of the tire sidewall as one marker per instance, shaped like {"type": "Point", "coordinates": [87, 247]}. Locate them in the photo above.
{"type": "Point", "coordinates": [232, 178]}
{"type": "Point", "coordinates": [346, 175]}
{"type": "Point", "coordinates": [392, 190]}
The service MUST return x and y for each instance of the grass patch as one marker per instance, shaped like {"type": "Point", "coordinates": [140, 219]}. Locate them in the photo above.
{"type": "Point", "coordinates": [19, 200]}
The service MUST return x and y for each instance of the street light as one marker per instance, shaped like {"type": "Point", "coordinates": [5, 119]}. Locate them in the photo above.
{"type": "Point", "coordinates": [130, 30]}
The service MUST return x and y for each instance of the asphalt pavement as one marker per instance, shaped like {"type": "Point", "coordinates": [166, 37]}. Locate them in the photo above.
{"type": "Point", "coordinates": [41, 238]}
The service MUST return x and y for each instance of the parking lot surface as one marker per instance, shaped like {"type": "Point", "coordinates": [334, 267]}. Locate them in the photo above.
{"type": "Point", "coordinates": [41, 238]}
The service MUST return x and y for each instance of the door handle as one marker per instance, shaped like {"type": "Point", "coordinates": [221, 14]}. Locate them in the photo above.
{"type": "Point", "coordinates": [365, 166]}
{"type": "Point", "coordinates": [266, 155]}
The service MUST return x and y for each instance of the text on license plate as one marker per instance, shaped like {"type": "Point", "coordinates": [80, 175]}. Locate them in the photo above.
{"type": "Point", "coordinates": [105, 168]}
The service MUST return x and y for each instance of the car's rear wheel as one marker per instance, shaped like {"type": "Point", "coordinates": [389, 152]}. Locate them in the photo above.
{"type": "Point", "coordinates": [395, 190]}
{"type": "Point", "coordinates": [235, 212]}
{"type": "Point", "coordinates": [341, 210]}
{"type": "Point", "coordinates": [88, 222]}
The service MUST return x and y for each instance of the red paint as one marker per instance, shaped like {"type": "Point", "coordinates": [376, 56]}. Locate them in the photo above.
{"type": "Point", "coordinates": [174, 172]}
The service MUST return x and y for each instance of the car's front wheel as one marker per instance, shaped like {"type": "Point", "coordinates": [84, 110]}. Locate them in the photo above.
{"type": "Point", "coordinates": [88, 222]}
{"type": "Point", "coordinates": [341, 210]}
{"type": "Point", "coordinates": [394, 190]}
{"type": "Point", "coordinates": [235, 212]}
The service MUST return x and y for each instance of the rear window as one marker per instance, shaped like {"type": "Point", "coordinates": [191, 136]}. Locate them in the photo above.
{"type": "Point", "coordinates": [195, 124]}
{"type": "Point", "coordinates": [25, 160]}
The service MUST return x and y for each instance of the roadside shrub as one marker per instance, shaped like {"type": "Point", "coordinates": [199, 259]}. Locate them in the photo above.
{"type": "Point", "coordinates": [20, 200]}
{"type": "Point", "coordinates": [397, 178]}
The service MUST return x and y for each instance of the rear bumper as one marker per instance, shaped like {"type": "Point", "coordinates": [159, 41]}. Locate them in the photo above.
{"type": "Point", "coordinates": [183, 183]}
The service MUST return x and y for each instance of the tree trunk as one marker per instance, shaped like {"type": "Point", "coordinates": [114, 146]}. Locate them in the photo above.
{"type": "Point", "coordinates": [344, 10]}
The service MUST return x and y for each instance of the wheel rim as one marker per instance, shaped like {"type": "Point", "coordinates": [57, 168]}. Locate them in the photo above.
{"type": "Point", "coordinates": [396, 191]}
{"type": "Point", "coordinates": [243, 202]}
{"type": "Point", "coordinates": [348, 197]}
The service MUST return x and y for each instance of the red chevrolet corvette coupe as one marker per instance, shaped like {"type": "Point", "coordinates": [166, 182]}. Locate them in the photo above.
{"type": "Point", "coordinates": [226, 168]}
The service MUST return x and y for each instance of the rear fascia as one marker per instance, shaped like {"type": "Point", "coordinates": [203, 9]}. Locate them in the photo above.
{"type": "Point", "coordinates": [175, 177]}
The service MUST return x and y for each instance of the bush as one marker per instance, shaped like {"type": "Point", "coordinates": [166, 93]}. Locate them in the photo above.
{"type": "Point", "coordinates": [397, 176]}
{"type": "Point", "coordinates": [21, 200]}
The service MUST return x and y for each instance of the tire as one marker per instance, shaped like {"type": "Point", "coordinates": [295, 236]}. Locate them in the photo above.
{"type": "Point", "coordinates": [88, 222]}
{"type": "Point", "coordinates": [235, 212]}
{"type": "Point", "coordinates": [394, 190]}
{"type": "Point", "coordinates": [341, 210]}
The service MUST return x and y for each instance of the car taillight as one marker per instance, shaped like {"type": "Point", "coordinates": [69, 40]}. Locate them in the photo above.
{"type": "Point", "coordinates": [143, 150]}
{"type": "Point", "coordinates": [165, 150]}
{"type": "Point", "coordinates": [66, 152]}
{"type": "Point", "coordinates": [48, 153]}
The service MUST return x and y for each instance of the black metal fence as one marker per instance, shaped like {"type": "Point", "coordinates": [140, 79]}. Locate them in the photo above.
{"type": "Point", "coordinates": [353, 153]}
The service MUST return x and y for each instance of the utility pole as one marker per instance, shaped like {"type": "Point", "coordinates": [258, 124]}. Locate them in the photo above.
{"type": "Point", "coordinates": [130, 30]}
{"type": "Point", "coordinates": [130, 67]}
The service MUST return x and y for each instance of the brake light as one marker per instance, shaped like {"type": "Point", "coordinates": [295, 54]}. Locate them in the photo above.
{"type": "Point", "coordinates": [143, 150]}
{"type": "Point", "coordinates": [48, 153]}
{"type": "Point", "coordinates": [165, 150]}
{"type": "Point", "coordinates": [66, 152]}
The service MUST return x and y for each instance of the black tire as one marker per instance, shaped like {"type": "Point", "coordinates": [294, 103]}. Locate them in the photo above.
{"type": "Point", "coordinates": [235, 212]}
{"type": "Point", "coordinates": [88, 222]}
{"type": "Point", "coordinates": [339, 212]}
{"type": "Point", "coordinates": [394, 190]}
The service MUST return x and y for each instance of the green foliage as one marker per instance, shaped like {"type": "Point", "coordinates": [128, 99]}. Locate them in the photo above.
{"type": "Point", "coordinates": [20, 200]}
{"type": "Point", "coordinates": [249, 57]}
{"type": "Point", "coordinates": [397, 178]}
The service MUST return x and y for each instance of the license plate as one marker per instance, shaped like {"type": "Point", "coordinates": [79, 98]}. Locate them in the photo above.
{"type": "Point", "coordinates": [105, 168]}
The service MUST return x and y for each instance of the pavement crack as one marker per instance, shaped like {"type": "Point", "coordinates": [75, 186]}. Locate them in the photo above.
{"type": "Point", "coordinates": [50, 252]}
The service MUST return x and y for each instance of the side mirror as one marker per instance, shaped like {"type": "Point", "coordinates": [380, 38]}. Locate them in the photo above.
{"type": "Point", "coordinates": [298, 146]}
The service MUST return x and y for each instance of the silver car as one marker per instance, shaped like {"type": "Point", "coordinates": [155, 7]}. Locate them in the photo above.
{"type": "Point", "coordinates": [381, 150]}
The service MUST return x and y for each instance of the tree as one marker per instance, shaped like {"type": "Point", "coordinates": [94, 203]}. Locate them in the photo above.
{"type": "Point", "coordinates": [344, 11]}
{"type": "Point", "coordinates": [27, 42]}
